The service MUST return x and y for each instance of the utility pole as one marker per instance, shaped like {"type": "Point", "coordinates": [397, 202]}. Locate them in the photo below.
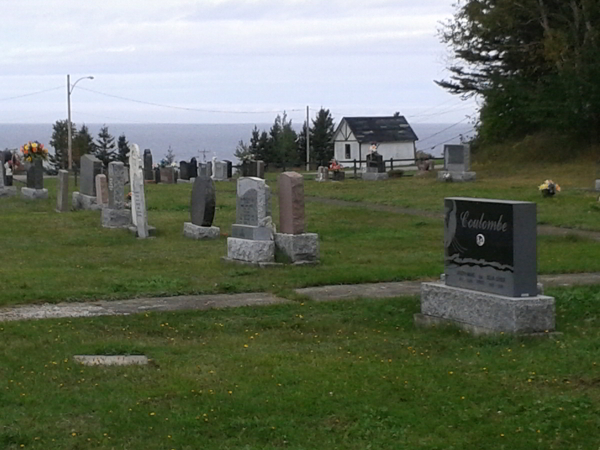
{"type": "Point", "coordinates": [69, 125]}
{"type": "Point", "coordinates": [307, 138]}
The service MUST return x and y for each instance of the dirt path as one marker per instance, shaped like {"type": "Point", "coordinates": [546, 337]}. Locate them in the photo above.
{"type": "Point", "coordinates": [545, 230]}
{"type": "Point", "coordinates": [204, 302]}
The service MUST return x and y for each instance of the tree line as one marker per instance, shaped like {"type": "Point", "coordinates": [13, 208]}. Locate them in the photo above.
{"type": "Point", "coordinates": [283, 147]}
{"type": "Point", "coordinates": [534, 63]}
{"type": "Point", "coordinates": [103, 147]}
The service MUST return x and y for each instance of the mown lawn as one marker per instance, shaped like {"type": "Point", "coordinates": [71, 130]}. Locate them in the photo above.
{"type": "Point", "coordinates": [345, 375]}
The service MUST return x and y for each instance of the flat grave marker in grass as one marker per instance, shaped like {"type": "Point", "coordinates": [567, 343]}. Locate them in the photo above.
{"type": "Point", "coordinates": [111, 360]}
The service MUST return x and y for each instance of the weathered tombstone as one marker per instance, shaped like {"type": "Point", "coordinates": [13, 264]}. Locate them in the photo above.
{"type": "Point", "coordinates": [252, 235]}
{"type": "Point", "coordinates": [184, 171]}
{"type": "Point", "coordinates": [457, 164]}
{"type": "Point", "coordinates": [375, 168]}
{"type": "Point", "coordinates": [229, 168]}
{"type": "Point", "coordinates": [297, 246]}
{"type": "Point", "coordinates": [253, 168]}
{"type": "Point", "coordinates": [220, 168]}
{"type": "Point", "coordinates": [5, 191]}
{"type": "Point", "coordinates": [205, 170]}
{"type": "Point", "coordinates": [115, 215]}
{"type": "Point", "coordinates": [260, 169]}
{"type": "Point", "coordinates": [85, 198]}
{"type": "Point", "coordinates": [62, 191]}
{"type": "Point", "coordinates": [193, 168]}
{"type": "Point", "coordinates": [138, 197]}
{"type": "Point", "coordinates": [35, 181]}
{"type": "Point", "coordinates": [167, 175]}
{"type": "Point", "coordinates": [148, 172]}
{"type": "Point", "coordinates": [101, 190]}
{"type": "Point", "coordinates": [157, 175]}
{"type": "Point", "coordinates": [490, 282]}
{"type": "Point", "coordinates": [202, 211]}
{"type": "Point", "coordinates": [322, 174]}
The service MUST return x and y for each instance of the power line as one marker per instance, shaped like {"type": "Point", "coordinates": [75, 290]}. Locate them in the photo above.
{"type": "Point", "coordinates": [30, 94]}
{"type": "Point", "coordinates": [183, 108]}
{"type": "Point", "coordinates": [445, 129]}
{"type": "Point", "coordinates": [448, 140]}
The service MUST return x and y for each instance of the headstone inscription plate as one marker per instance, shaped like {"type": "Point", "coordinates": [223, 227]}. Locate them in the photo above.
{"type": "Point", "coordinates": [490, 246]}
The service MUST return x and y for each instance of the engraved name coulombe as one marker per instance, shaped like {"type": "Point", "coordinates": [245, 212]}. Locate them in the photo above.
{"type": "Point", "coordinates": [482, 224]}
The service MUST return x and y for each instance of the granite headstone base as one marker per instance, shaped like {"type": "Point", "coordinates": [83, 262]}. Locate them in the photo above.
{"type": "Point", "coordinates": [444, 175]}
{"type": "Point", "coordinates": [485, 313]}
{"type": "Point", "coordinates": [252, 232]}
{"type": "Point", "coordinates": [181, 180]}
{"type": "Point", "coordinates": [247, 250]}
{"type": "Point", "coordinates": [116, 218]}
{"type": "Point", "coordinates": [151, 230]}
{"type": "Point", "coordinates": [82, 201]}
{"type": "Point", "coordinates": [34, 194]}
{"type": "Point", "coordinates": [198, 232]}
{"type": "Point", "coordinates": [598, 185]}
{"type": "Point", "coordinates": [374, 176]}
{"type": "Point", "coordinates": [298, 248]}
{"type": "Point", "coordinates": [8, 191]}
{"type": "Point", "coordinates": [338, 175]}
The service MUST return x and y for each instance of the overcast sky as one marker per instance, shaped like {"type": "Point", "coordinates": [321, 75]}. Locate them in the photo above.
{"type": "Point", "coordinates": [222, 61]}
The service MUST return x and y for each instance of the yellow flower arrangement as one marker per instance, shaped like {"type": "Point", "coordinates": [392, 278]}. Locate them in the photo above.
{"type": "Point", "coordinates": [34, 150]}
{"type": "Point", "coordinates": [549, 188]}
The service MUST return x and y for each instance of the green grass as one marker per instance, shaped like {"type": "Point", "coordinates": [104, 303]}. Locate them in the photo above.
{"type": "Point", "coordinates": [347, 375]}
{"type": "Point", "coordinates": [51, 257]}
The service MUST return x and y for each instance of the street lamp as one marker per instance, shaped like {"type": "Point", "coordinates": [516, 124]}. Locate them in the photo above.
{"type": "Point", "coordinates": [69, 134]}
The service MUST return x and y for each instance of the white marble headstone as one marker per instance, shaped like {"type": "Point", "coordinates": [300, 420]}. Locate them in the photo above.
{"type": "Point", "coordinates": [138, 199]}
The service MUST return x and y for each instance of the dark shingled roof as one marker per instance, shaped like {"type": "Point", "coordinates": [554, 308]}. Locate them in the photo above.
{"type": "Point", "coordinates": [381, 129]}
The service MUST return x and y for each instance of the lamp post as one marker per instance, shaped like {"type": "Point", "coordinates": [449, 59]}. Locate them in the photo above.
{"type": "Point", "coordinates": [69, 125]}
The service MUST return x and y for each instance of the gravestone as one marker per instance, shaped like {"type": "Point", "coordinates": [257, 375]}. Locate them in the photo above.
{"type": "Point", "coordinates": [115, 215]}
{"type": "Point", "coordinates": [252, 233]}
{"type": "Point", "coordinates": [220, 171]}
{"type": "Point", "coordinates": [184, 171]}
{"type": "Point", "coordinates": [490, 280]}
{"type": "Point", "coordinates": [253, 168]}
{"type": "Point", "coordinates": [35, 181]}
{"type": "Point", "coordinates": [138, 197]}
{"type": "Point", "coordinates": [202, 211]}
{"type": "Point", "coordinates": [229, 168]}
{"type": "Point", "coordinates": [101, 190]}
{"type": "Point", "coordinates": [148, 171]}
{"type": "Point", "coordinates": [322, 174]}
{"type": "Point", "coordinates": [338, 175]}
{"type": "Point", "coordinates": [85, 198]}
{"type": "Point", "coordinates": [62, 192]}
{"type": "Point", "coordinates": [193, 168]}
{"type": "Point", "coordinates": [167, 175]}
{"type": "Point", "coordinates": [5, 191]}
{"type": "Point", "coordinates": [205, 170]}
{"type": "Point", "coordinates": [291, 241]}
{"type": "Point", "coordinates": [375, 168]}
{"type": "Point", "coordinates": [457, 164]}
{"type": "Point", "coordinates": [157, 175]}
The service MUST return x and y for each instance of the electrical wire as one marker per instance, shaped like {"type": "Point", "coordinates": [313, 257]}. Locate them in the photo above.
{"type": "Point", "coordinates": [31, 93]}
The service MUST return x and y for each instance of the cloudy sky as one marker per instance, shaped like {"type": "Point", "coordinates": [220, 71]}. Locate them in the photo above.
{"type": "Point", "coordinates": [224, 61]}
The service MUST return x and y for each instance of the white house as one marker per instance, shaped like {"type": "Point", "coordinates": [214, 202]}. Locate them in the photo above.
{"type": "Point", "coordinates": [393, 136]}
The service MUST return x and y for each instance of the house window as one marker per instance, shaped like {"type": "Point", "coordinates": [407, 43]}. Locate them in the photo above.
{"type": "Point", "coordinates": [347, 156]}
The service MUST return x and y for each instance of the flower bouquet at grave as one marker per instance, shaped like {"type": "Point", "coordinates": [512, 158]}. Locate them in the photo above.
{"type": "Point", "coordinates": [549, 188]}
{"type": "Point", "coordinates": [34, 150]}
{"type": "Point", "coordinates": [164, 164]}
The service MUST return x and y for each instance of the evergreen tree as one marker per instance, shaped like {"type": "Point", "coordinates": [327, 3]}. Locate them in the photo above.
{"type": "Point", "coordinates": [83, 144]}
{"type": "Point", "coordinates": [123, 149]}
{"type": "Point", "coordinates": [170, 156]}
{"type": "Point", "coordinates": [301, 147]}
{"type": "Point", "coordinates": [105, 146]}
{"type": "Point", "coordinates": [59, 140]}
{"type": "Point", "coordinates": [243, 152]}
{"type": "Point", "coordinates": [321, 137]}
{"type": "Point", "coordinates": [282, 145]}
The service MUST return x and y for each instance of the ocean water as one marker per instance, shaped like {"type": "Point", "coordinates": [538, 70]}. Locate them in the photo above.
{"type": "Point", "coordinates": [207, 140]}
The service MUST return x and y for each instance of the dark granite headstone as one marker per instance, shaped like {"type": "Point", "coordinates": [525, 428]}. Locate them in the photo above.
{"type": "Point", "coordinates": [202, 206]}
{"type": "Point", "coordinates": [90, 167]}
{"type": "Point", "coordinates": [35, 174]}
{"type": "Point", "coordinates": [167, 175]}
{"type": "Point", "coordinates": [229, 168]}
{"type": "Point", "coordinates": [157, 175]}
{"type": "Point", "coordinates": [184, 170]}
{"type": "Point", "coordinates": [457, 158]}
{"type": "Point", "coordinates": [193, 168]}
{"type": "Point", "coordinates": [490, 246]}
{"type": "Point", "coordinates": [148, 174]}
{"type": "Point", "coordinates": [375, 163]}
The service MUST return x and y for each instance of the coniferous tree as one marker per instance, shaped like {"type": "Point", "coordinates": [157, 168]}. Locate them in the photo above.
{"type": "Point", "coordinates": [123, 149]}
{"type": "Point", "coordinates": [105, 146]}
{"type": "Point", "coordinates": [321, 137]}
{"type": "Point", "coordinates": [83, 144]}
{"type": "Point", "coordinates": [59, 141]}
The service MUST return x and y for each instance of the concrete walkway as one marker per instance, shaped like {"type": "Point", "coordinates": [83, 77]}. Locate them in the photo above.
{"type": "Point", "coordinates": [204, 302]}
